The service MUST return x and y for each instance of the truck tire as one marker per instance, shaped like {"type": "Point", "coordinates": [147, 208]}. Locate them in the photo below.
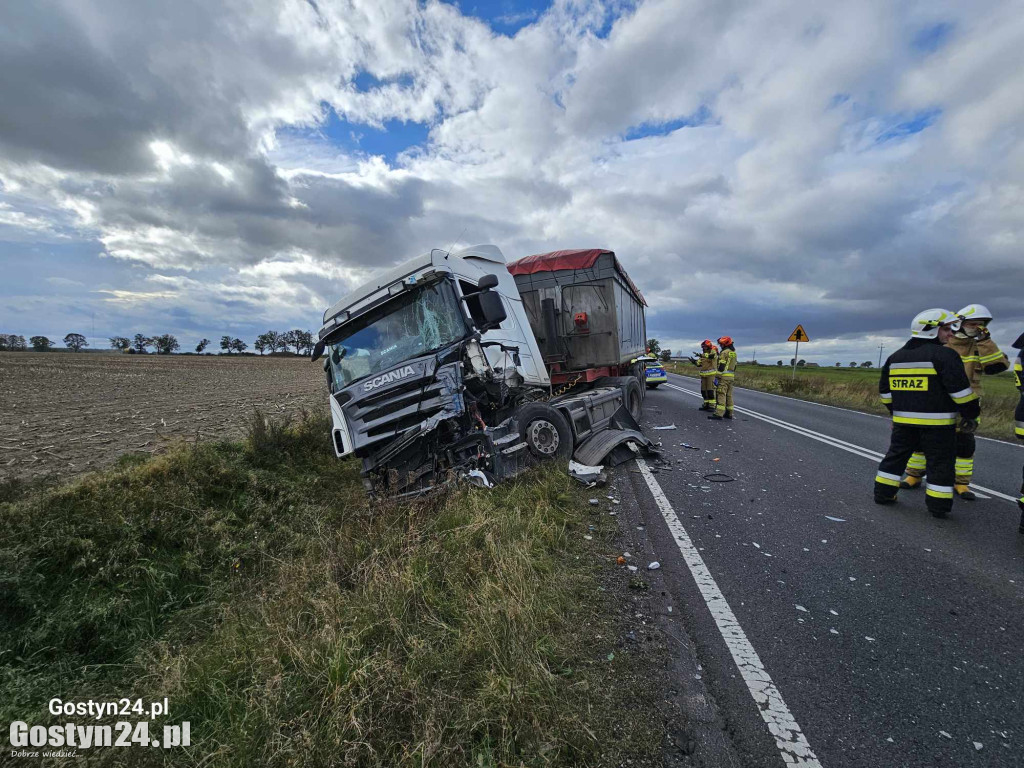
{"type": "Point", "coordinates": [632, 392]}
{"type": "Point", "coordinates": [545, 431]}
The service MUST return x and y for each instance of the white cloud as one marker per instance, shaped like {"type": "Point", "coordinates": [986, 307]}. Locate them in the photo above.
{"type": "Point", "coordinates": [191, 137]}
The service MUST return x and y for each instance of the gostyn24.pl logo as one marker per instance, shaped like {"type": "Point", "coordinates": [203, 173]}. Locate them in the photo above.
{"type": "Point", "coordinates": [71, 737]}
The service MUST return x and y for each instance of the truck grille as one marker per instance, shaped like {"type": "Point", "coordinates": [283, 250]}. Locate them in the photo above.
{"type": "Point", "coordinates": [389, 413]}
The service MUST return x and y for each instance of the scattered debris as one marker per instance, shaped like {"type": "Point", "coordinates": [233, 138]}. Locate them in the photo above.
{"type": "Point", "coordinates": [670, 609]}
{"type": "Point", "coordinates": [611, 656]}
{"type": "Point", "coordinates": [801, 608]}
{"type": "Point", "coordinates": [834, 519]}
{"type": "Point", "coordinates": [691, 447]}
{"type": "Point", "coordinates": [718, 477]}
{"type": "Point", "coordinates": [667, 426]}
{"type": "Point", "coordinates": [594, 502]}
{"type": "Point", "coordinates": [869, 639]}
{"type": "Point", "coordinates": [479, 479]}
{"type": "Point", "coordinates": [756, 544]}
{"type": "Point", "coordinates": [834, 613]}
{"type": "Point", "coordinates": [632, 568]}
{"type": "Point", "coordinates": [890, 740]}
{"type": "Point", "coordinates": [654, 566]}
{"type": "Point", "coordinates": [945, 735]}
{"type": "Point", "coordinates": [977, 746]}
{"type": "Point", "coordinates": [588, 537]}
{"type": "Point", "coordinates": [587, 474]}
{"type": "Point", "coordinates": [834, 631]}
{"type": "Point", "coordinates": [620, 560]}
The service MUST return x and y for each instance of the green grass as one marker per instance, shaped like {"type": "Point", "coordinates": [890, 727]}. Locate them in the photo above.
{"type": "Point", "coordinates": [857, 388]}
{"type": "Point", "coordinates": [294, 623]}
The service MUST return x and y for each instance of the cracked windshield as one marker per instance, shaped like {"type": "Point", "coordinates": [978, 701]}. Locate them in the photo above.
{"type": "Point", "coordinates": [417, 322]}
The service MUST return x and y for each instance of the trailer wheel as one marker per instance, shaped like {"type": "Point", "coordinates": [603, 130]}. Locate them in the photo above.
{"type": "Point", "coordinates": [545, 431]}
{"type": "Point", "coordinates": [632, 392]}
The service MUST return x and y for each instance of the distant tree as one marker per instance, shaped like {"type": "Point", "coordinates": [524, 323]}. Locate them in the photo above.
{"type": "Point", "coordinates": [866, 364]}
{"type": "Point", "coordinates": [301, 340]}
{"type": "Point", "coordinates": [140, 343]}
{"type": "Point", "coordinates": [238, 345]}
{"type": "Point", "coordinates": [654, 346]}
{"type": "Point", "coordinates": [120, 343]}
{"type": "Point", "coordinates": [779, 363]}
{"type": "Point", "coordinates": [5, 341]}
{"type": "Point", "coordinates": [261, 343]}
{"type": "Point", "coordinates": [792, 361]}
{"type": "Point", "coordinates": [839, 365]}
{"type": "Point", "coordinates": [202, 345]}
{"type": "Point", "coordinates": [273, 340]}
{"type": "Point", "coordinates": [75, 341]}
{"type": "Point", "coordinates": [853, 365]}
{"type": "Point", "coordinates": [166, 344]}
{"type": "Point", "coordinates": [666, 355]}
{"type": "Point", "coordinates": [41, 343]}
{"type": "Point", "coordinates": [288, 340]}
{"type": "Point", "coordinates": [801, 363]}
{"type": "Point", "coordinates": [225, 344]}
{"type": "Point", "coordinates": [16, 343]}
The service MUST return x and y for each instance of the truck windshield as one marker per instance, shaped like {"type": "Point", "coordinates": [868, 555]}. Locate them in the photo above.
{"type": "Point", "coordinates": [416, 322]}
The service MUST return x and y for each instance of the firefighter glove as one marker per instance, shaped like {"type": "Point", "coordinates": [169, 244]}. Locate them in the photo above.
{"type": "Point", "coordinates": [968, 426]}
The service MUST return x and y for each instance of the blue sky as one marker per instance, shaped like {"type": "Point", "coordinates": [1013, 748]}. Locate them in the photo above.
{"type": "Point", "coordinates": [754, 164]}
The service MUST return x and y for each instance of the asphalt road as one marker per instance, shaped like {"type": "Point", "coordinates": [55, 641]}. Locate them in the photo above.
{"type": "Point", "coordinates": [894, 638]}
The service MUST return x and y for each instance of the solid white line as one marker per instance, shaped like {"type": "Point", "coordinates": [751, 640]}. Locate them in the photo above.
{"type": "Point", "coordinates": [789, 739]}
{"type": "Point", "coordinates": [840, 408]}
{"type": "Point", "coordinates": [835, 442]}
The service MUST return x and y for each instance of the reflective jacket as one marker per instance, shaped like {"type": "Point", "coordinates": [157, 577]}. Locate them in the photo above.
{"type": "Point", "coordinates": [979, 358]}
{"type": "Point", "coordinates": [923, 384]}
{"type": "Point", "coordinates": [727, 363]}
{"type": "Point", "coordinates": [1018, 415]}
{"type": "Point", "coordinates": [707, 362]}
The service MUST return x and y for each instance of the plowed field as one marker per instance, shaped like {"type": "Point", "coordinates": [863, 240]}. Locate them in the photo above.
{"type": "Point", "coordinates": [64, 413]}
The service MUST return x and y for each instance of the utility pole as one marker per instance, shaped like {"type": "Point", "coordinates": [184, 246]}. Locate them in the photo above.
{"type": "Point", "coordinates": [880, 348]}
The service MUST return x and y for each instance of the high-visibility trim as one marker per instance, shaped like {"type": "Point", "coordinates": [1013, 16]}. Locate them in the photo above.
{"type": "Point", "coordinates": [1018, 428]}
{"type": "Point", "coordinates": [924, 368]}
{"type": "Point", "coordinates": [708, 373]}
{"type": "Point", "coordinates": [727, 375]}
{"type": "Point", "coordinates": [924, 419]}
{"type": "Point", "coordinates": [969, 358]}
{"type": "Point", "coordinates": [886, 479]}
{"type": "Point", "coordinates": [939, 491]}
{"type": "Point", "coordinates": [885, 397]}
{"type": "Point", "coordinates": [963, 396]}
{"type": "Point", "coordinates": [1017, 366]}
{"type": "Point", "coordinates": [991, 358]}
{"type": "Point", "coordinates": [917, 461]}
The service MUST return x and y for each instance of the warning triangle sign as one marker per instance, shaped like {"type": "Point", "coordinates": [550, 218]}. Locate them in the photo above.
{"type": "Point", "coordinates": [798, 335]}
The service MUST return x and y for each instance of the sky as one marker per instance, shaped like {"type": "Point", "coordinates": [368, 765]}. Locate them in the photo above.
{"type": "Point", "coordinates": [212, 167]}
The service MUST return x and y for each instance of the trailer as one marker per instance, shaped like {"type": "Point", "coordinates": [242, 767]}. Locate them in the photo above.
{"type": "Point", "coordinates": [454, 365]}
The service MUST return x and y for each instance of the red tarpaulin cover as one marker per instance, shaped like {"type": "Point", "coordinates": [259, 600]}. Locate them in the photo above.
{"type": "Point", "coordinates": [554, 261]}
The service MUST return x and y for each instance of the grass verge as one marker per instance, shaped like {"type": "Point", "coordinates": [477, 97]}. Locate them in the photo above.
{"type": "Point", "coordinates": [292, 622]}
{"type": "Point", "coordinates": [858, 389]}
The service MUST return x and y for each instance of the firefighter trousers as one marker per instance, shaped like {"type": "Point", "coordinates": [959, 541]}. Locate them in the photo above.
{"type": "Point", "coordinates": [723, 397]}
{"type": "Point", "coordinates": [938, 446]}
{"type": "Point", "coordinates": [966, 444]}
{"type": "Point", "coordinates": [707, 389]}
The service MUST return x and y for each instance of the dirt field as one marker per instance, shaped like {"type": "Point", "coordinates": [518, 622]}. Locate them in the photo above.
{"type": "Point", "coordinates": [63, 413]}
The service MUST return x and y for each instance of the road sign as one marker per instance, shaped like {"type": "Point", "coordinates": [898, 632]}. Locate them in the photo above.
{"type": "Point", "coordinates": [798, 335]}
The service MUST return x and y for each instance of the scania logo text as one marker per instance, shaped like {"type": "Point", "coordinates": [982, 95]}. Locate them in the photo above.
{"type": "Point", "coordinates": [387, 378]}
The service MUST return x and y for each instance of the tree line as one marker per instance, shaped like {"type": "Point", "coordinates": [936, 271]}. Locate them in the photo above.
{"type": "Point", "coordinates": [166, 344]}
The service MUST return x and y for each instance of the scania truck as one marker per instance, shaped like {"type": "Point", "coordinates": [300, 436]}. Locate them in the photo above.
{"type": "Point", "coordinates": [459, 365]}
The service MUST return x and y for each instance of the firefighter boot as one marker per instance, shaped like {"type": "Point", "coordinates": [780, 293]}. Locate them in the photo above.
{"type": "Point", "coordinates": [910, 481]}
{"type": "Point", "coordinates": [964, 492]}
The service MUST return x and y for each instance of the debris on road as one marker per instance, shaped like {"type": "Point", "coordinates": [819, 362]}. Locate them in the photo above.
{"type": "Point", "coordinates": [977, 746]}
{"type": "Point", "coordinates": [667, 426]}
{"type": "Point", "coordinates": [587, 474]}
{"type": "Point", "coordinates": [691, 447]}
{"type": "Point", "coordinates": [945, 735]}
{"type": "Point", "coordinates": [869, 639]}
{"type": "Point", "coordinates": [801, 608]}
{"type": "Point", "coordinates": [718, 477]}
{"type": "Point", "coordinates": [594, 502]}
{"type": "Point", "coordinates": [834, 519]}
{"type": "Point", "coordinates": [654, 566]}
{"type": "Point", "coordinates": [620, 560]}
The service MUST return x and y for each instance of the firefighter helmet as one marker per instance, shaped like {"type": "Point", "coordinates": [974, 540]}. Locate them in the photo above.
{"type": "Point", "coordinates": [975, 312]}
{"type": "Point", "coordinates": [925, 325]}
{"type": "Point", "coordinates": [706, 344]}
{"type": "Point", "coordinates": [725, 341]}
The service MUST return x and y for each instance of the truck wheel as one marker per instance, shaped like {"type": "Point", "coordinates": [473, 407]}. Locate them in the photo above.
{"type": "Point", "coordinates": [545, 431]}
{"type": "Point", "coordinates": [632, 392]}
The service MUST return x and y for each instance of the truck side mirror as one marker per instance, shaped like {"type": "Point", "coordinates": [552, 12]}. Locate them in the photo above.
{"type": "Point", "coordinates": [491, 309]}
{"type": "Point", "coordinates": [318, 349]}
{"type": "Point", "coordinates": [487, 282]}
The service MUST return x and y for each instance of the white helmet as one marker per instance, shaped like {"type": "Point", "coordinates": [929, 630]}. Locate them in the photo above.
{"type": "Point", "coordinates": [925, 325]}
{"type": "Point", "coordinates": [973, 312]}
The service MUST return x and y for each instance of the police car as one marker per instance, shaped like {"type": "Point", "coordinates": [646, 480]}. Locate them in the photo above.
{"type": "Point", "coordinates": [654, 374]}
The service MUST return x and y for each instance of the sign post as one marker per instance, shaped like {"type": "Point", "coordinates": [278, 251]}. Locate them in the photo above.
{"type": "Point", "coordinates": [797, 335]}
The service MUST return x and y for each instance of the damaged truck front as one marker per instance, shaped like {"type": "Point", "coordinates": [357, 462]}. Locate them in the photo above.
{"type": "Point", "coordinates": [435, 373]}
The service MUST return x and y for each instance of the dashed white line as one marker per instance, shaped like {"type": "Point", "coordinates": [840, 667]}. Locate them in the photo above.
{"type": "Point", "coordinates": [789, 738]}
{"type": "Point", "coordinates": [835, 442]}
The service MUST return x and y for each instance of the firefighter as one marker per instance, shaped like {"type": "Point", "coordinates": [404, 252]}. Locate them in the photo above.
{"type": "Point", "coordinates": [980, 355]}
{"type": "Point", "coordinates": [726, 374]}
{"type": "Point", "coordinates": [925, 387]}
{"type": "Point", "coordinates": [1018, 415]}
{"type": "Point", "coordinates": [707, 363]}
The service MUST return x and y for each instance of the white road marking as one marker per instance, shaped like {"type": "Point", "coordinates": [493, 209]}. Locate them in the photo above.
{"type": "Point", "coordinates": [789, 738]}
{"type": "Point", "coordinates": [835, 442]}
